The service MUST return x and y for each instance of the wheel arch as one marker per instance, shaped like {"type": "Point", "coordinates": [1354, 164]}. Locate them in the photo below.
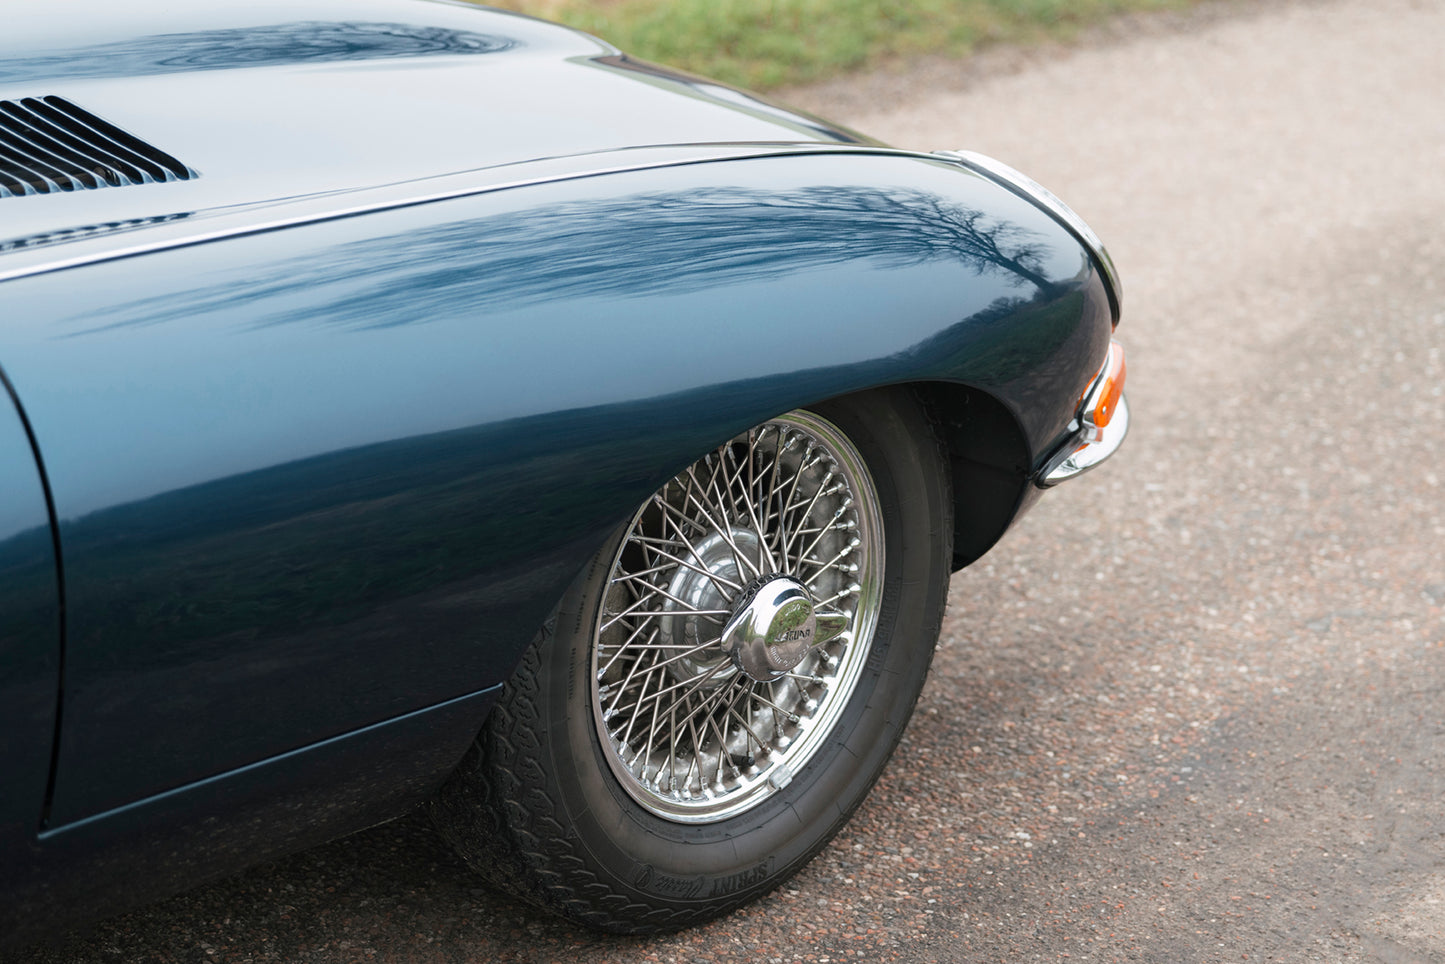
{"type": "Point", "coordinates": [987, 453]}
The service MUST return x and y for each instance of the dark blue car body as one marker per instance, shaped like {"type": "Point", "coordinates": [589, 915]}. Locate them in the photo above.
{"type": "Point", "coordinates": [298, 452]}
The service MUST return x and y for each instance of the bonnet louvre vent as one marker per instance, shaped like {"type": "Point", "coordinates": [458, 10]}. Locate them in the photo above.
{"type": "Point", "coordinates": [48, 144]}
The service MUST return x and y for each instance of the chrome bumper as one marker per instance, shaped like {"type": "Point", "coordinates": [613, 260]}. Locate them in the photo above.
{"type": "Point", "coordinates": [1098, 428]}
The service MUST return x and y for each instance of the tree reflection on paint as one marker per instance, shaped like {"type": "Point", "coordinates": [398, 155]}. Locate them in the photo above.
{"type": "Point", "coordinates": [637, 246]}
{"type": "Point", "coordinates": [304, 42]}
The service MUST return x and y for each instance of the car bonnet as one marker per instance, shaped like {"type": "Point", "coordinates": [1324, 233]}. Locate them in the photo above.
{"type": "Point", "coordinates": [271, 101]}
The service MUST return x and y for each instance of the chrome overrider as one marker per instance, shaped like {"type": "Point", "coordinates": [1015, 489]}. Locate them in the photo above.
{"type": "Point", "coordinates": [1099, 427]}
{"type": "Point", "coordinates": [1079, 460]}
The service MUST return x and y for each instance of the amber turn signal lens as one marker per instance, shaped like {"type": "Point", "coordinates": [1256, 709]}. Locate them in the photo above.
{"type": "Point", "coordinates": [1111, 388]}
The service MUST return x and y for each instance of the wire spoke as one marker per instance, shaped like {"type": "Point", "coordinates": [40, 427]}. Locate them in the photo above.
{"type": "Point", "coordinates": [778, 532]}
{"type": "Point", "coordinates": [675, 612]}
{"type": "Point", "coordinates": [725, 532]}
{"type": "Point", "coordinates": [828, 566]}
{"type": "Point", "coordinates": [629, 611]}
{"type": "Point", "coordinates": [717, 580]}
{"type": "Point", "coordinates": [829, 527]}
{"type": "Point", "coordinates": [786, 713]}
{"type": "Point", "coordinates": [632, 720]}
{"type": "Point", "coordinates": [809, 509]}
{"type": "Point", "coordinates": [627, 646]}
{"type": "Point", "coordinates": [846, 591]}
{"type": "Point", "coordinates": [765, 555]}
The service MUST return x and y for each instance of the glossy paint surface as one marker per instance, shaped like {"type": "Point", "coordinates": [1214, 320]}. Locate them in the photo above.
{"type": "Point", "coordinates": [278, 99]}
{"type": "Point", "coordinates": [330, 428]}
{"type": "Point", "coordinates": [29, 637]}
{"type": "Point", "coordinates": [313, 479]}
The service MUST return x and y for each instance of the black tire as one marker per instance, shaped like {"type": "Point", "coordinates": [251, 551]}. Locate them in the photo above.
{"type": "Point", "coordinates": [538, 807]}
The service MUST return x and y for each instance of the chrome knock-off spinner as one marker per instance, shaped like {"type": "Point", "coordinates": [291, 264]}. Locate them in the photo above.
{"type": "Point", "coordinates": [773, 626]}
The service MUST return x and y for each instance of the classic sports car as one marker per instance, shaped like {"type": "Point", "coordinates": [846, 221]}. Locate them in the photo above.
{"type": "Point", "coordinates": [410, 402]}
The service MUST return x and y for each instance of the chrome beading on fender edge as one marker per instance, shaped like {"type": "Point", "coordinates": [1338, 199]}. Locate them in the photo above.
{"type": "Point", "coordinates": [1026, 187]}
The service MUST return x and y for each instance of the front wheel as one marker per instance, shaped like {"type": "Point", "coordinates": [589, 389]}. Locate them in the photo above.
{"type": "Point", "coordinates": [724, 683]}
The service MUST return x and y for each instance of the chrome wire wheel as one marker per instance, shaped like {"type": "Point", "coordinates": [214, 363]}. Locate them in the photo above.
{"type": "Point", "coordinates": [689, 730]}
{"type": "Point", "coordinates": [724, 678]}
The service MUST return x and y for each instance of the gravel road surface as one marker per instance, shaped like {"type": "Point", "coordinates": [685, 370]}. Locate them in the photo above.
{"type": "Point", "coordinates": [1193, 707]}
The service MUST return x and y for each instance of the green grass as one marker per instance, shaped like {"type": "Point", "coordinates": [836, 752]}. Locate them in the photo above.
{"type": "Point", "coordinates": [765, 44]}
